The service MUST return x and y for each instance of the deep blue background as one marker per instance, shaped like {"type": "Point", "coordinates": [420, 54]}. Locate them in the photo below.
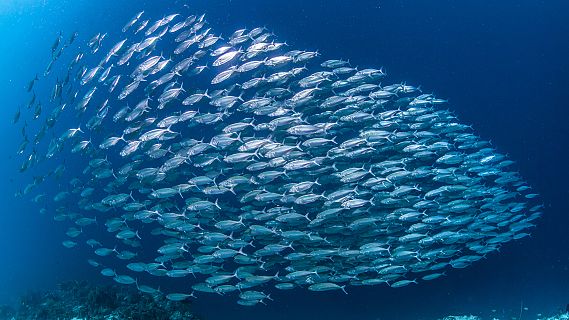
{"type": "Point", "coordinates": [503, 65]}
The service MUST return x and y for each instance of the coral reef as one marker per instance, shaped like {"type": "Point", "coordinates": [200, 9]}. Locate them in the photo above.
{"type": "Point", "coordinates": [561, 316]}
{"type": "Point", "coordinates": [82, 300]}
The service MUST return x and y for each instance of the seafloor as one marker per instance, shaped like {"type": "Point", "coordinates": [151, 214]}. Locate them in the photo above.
{"type": "Point", "coordinates": [81, 300]}
{"type": "Point", "coordinates": [77, 300]}
{"type": "Point", "coordinates": [561, 316]}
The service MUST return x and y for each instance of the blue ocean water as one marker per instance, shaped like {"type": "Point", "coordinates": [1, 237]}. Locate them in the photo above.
{"type": "Point", "coordinates": [502, 65]}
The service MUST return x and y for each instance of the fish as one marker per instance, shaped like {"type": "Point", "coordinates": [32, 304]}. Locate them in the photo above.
{"type": "Point", "coordinates": [73, 37]}
{"type": "Point", "coordinates": [31, 83]}
{"type": "Point", "coordinates": [253, 166]}
{"type": "Point", "coordinates": [56, 43]}
{"type": "Point", "coordinates": [69, 244]}
{"type": "Point", "coordinates": [178, 296]}
{"type": "Point", "coordinates": [132, 21]}
{"type": "Point", "coordinates": [16, 116]}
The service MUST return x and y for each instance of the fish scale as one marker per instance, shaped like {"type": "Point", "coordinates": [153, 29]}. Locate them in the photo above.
{"type": "Point", "coordinates": [272, 159]}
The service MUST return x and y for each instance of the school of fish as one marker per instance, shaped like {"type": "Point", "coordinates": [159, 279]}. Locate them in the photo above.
{"type": "Point", "coordinates": [241, 165]}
